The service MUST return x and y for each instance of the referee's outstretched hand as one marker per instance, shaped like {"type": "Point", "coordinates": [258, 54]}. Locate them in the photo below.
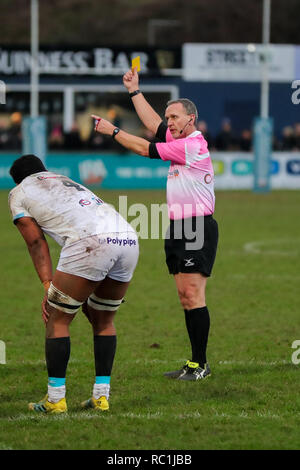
{"type": "Point", "coordinates": [102, 125]}
{"type": "Point", "coordinates": [131, 80]}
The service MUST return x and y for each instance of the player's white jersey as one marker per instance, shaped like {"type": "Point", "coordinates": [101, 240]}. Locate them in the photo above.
{"type": "Point", "coordinates": [64, 210]}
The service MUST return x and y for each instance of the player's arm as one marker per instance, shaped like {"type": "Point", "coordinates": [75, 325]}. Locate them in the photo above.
{"type": "Point", "coordinates": [38, 248]}
{"type": "Point", "coordinates": [144, 110]}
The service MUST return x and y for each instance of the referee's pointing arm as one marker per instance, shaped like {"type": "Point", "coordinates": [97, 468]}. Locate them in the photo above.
{"type": "Point", "coordinates": [130, 142]}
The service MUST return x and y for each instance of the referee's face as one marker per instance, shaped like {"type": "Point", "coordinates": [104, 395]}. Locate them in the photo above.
{"type": "Point", "coordinates": [179, 122]}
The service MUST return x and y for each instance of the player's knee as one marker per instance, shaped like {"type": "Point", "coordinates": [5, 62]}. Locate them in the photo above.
{"type": "Point", "coordinates": [101, 313]}
{"type": "Point", "coordinates": [57, 330]}
{"type": "Point", "coordinates": [102, 322]}
{"type": "Point", "coordinates": [58, 323]}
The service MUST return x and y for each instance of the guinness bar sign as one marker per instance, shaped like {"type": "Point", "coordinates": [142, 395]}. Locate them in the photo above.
{"type": "Point", "coordinates": [99, 60]}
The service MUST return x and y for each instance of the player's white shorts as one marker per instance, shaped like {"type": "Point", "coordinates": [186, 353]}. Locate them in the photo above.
{"type": "Point", "coordinates": [111, 254]}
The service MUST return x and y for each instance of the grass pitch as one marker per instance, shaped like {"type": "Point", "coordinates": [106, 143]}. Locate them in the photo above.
{"type": "Point", "coordinates": [251, 401]}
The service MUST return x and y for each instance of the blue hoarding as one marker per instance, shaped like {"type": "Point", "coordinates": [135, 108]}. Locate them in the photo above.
{"type": "Point", "coordinates": [108, 171]}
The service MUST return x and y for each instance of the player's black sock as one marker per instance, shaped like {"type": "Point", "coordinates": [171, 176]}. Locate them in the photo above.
{"type": "Point", "coordinates": [57, 351]}
{"type": "Point", "coordinates": [104, 352]}
{"type": "Point", "coordinates": [198, 322]}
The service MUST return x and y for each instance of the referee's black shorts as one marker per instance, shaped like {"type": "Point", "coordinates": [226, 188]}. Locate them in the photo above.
{"type": "Point", "coordinates": [182, 258]}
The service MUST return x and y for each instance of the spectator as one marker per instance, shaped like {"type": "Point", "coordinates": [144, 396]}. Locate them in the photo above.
{"type": "Point", "coordinates": [288, 139]}
{"type": "Point", "coordinates": [297, 135]}
{"type": "Point", "coordinates": [97, 141]}
{"type": "Point", "coordinates": [113, 117]}
{"type": "Point", "coordinates": [14, 141]}
{"type": "Point", "coordinates": [72, 139]}
{"type": "Point", "coordinates": [4, 135]}
{"type": "Point", "coordinates": [245, 141]}
{"type": "Point", "coordinates": [276, 144]}
{"type": "Point", "coordinates": [202, 127]}
{"type": "Point", "coordinates": [56, 138]}
{"type": "Point", "coordinates": [225, 139]}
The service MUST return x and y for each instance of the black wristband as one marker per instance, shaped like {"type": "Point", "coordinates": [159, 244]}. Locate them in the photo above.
{"type": "Point", "coordinates": [136, 92]}
{"type": "Point", "coordinates": [115, 132]}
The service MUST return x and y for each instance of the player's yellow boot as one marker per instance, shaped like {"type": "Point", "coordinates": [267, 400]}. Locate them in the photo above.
{"type": "Point", "coordinates": [45, 406]}
{"type": "Point", "coordinates": [100, 404]}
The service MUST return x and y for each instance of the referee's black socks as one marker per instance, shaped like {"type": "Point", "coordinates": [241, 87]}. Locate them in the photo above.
{"type": "Point", "coordinates": [198, 324]}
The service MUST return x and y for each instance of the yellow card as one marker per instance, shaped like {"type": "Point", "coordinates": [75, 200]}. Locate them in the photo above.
{"type": "Point", "coordinates": [136, 63]}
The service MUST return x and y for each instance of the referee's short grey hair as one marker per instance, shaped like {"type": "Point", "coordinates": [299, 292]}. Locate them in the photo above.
{"type": "Point", "coordinates": [188, 105]}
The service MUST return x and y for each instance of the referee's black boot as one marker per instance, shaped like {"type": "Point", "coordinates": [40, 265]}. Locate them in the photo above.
{"type": "Point", "coordinates": [174, 374]}
{"type": "Point", "coordinates": [195, 372]}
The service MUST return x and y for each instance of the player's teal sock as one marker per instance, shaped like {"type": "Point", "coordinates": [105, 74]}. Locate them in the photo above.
{"type": "Point", "coordinates": [56, 389]}
{"type": "Point", "coordinates": [102, 379]}
{"type": "Point", "coordinates": [56, 381]}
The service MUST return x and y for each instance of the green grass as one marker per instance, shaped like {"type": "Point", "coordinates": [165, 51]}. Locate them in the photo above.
{"type": "Point", "coordinates": [251, 401]}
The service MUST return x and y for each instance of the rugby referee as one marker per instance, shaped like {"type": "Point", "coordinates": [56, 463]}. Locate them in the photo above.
{"type": "Point", "coordinates": [192, 238]}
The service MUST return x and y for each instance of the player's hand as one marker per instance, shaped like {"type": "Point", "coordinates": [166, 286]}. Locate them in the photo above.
{"type": "Point", "coordinates": [131, 80]}
{"type": "Point", "coordinates": [45, 314]}
{"type": "Point", "coordinates": [102, 125]}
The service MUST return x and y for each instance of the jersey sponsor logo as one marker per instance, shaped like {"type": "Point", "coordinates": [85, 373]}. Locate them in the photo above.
{"type": "Point", "coordinates": [173, 174]}
{"type": "Point", "coordinates": [189, 262]}
{"type": "Point", "coordinates": [97, 200]}
{"type": "Point", "coordinates": [120, 241]}
{"type": "Point", "coordinates": [84, 202]}
{"type": "Point", "coordinates": [87, 202]}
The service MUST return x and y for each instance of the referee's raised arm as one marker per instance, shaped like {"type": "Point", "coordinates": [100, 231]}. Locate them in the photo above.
{"type": "Point", "coordinates": [146, 113]}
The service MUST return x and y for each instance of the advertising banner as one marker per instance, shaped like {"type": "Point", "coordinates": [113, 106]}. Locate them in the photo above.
{"type": "Point", "coordinates": [297, 63]}
{"type": "Point", "coordinates": [233, 170]}
{"type": "Point", "coordinates": [237, 62]}
{"type": "Point", "coordinates": [105, 60]}
{"type": "Point", "coordinates": [107, 171]}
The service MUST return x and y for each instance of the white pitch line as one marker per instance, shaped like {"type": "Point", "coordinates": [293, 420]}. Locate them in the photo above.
{"type": "Point", "coordinates": [80, 416]}
{"type": "Point", "coordinates": [261, 277]}
{"type": "Point", "coordinates": [162, 361]}
{"type": "Point", "coordinates": [255, 363]}
{"type": "Point", "coordinates": [262, 247]}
